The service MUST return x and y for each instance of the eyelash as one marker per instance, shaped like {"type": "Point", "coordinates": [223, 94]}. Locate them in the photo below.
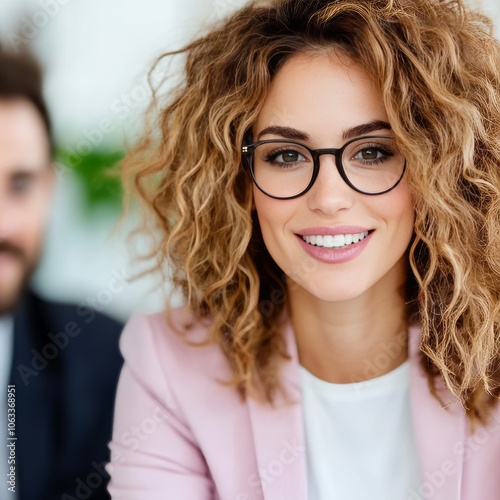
{"type": "Point", "coordinates": [379, 148]}
{"type": "Point", "coordinates": [271, 157]}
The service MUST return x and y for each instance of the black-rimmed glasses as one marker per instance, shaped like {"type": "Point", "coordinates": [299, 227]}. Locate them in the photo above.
{"type": "Point", "coordinates": [285, 169]}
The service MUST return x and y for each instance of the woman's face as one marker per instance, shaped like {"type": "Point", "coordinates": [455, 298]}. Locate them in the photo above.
{"type": "Point", "coordinates": [322, 100]}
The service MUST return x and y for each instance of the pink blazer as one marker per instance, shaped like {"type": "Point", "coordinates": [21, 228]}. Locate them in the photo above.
{"type": "Point", "coordinates": [179, 434]}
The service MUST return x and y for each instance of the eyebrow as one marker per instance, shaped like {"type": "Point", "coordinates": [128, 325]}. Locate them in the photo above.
{"type": "Point", "coordinates": [350, 133]}
{"type": "Point", "coordinates": [365, 128]}
{"type": "Point", "coordinates": [286, 132]}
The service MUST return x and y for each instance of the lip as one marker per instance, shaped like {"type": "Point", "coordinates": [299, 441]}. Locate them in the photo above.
{"type": "Point", "coordinates": [334, 255]}
{"type": "Point", "coordinates": [332, 231]}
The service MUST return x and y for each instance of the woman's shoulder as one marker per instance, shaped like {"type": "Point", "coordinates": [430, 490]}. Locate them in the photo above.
{"type": "Point", "coordinates": [174, 326]}
{"type": "Point", "coordinates": [173, 345]}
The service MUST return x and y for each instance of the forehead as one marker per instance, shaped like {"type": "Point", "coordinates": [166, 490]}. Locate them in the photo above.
{"type": "Point", "coordinates": [23, 137]}
{"type": "Point", "coordinates": [316, 90]}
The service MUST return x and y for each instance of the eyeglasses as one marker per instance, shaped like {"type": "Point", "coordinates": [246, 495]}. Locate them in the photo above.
{"type": "Point", "coordinates": [284, 170]}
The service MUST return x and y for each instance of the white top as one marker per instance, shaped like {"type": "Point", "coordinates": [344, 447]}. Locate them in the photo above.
{"type": "Point", "coordinates": [359, 438]}
{"type": "Point", "coordinates": [6, 351]}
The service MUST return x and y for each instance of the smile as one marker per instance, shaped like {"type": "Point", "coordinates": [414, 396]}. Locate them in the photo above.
{"type": "Point", "coordinates": [335, 241]}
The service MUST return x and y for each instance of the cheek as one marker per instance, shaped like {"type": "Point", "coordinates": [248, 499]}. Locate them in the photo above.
{"type": "Point", "coordinates": [400, 214]}
{"type": "Point", "coordinates": [33, 213]}
{"type": "Point", "coordinates": [273, 215]}
{"type": "Point", "coordinates": [265, 210]}
{"type": "Point", "coordinates": [31, 235]}
{"type": "Point", "coordinates": [406, 203]}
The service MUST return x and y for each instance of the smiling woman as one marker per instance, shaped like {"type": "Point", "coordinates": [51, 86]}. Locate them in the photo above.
{"type": "Point", "coordinates": [327, 188]}
{"type": "Point", "coordinates": [332, 102]}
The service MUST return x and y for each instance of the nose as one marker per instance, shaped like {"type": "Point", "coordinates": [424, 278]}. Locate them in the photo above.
{"type": "Point", "coordinates": [329, 193]}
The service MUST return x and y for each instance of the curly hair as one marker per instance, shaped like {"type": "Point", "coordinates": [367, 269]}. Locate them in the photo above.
{"type": "Point", "coordinates": [436, 66]}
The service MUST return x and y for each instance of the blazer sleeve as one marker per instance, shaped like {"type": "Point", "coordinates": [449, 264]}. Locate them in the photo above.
{"type": "Point", "coordinates": [154, 454]}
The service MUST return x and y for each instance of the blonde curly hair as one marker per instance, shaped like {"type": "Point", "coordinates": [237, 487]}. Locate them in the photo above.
{"type": "Point", "coordinates": [436, 65]}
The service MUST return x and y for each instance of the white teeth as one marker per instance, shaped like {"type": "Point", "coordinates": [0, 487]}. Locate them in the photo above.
{"type": "Point", "coordinates": [337, 241]}
{"type": "Point", "coordinates": [328, 241]}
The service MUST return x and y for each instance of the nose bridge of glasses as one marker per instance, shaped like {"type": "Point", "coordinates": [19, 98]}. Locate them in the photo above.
{"type": "Point", "coordinates": [335, 152]}
{"type": "Point", "coordinates": [332, 174]}
{"type": "Point", "coordinates": [329, 190]}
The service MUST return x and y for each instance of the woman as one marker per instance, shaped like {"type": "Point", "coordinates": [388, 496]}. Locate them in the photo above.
{"type": "Point", "coordinates": [327, 187]}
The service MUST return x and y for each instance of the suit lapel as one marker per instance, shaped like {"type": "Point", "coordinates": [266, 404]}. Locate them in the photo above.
{"type": "Point", "coordinates": [36, 406]}
{"type": "Point", "coordinates": [439, 434]}
{"type": "Point", "coordinates": [278, 437]}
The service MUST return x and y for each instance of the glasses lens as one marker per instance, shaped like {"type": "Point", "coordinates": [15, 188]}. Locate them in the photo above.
{"type": "Point", "coordinates": [282, 169]}
{"type": "Point", "coordinates": [373, 165]}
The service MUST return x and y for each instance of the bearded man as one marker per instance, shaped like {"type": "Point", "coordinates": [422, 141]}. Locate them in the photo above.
{"type": "Point", "coordinates": [59, 363]}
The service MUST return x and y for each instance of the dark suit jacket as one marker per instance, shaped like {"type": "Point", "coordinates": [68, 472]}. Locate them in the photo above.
{"type": "Point", "coordinates": [65, 368]}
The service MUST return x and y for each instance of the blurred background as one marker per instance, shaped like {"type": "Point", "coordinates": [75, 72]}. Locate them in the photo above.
{"type": "Point", "coordinates": [96, 54]}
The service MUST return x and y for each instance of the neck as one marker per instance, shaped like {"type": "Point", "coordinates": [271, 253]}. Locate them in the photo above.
{"type": "Point", "coordinates": [355, 340]}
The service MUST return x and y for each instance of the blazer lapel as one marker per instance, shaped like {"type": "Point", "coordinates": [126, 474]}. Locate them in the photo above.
{"type": "Point", "coordinates": [281, 450]}
{"type": "Point", "coordinates": [439, 433]}
{"type": "Point", "coordinates": [279, 438]}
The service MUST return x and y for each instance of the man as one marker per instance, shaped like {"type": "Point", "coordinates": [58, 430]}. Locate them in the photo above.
{"type": "Point", "coordinates": [59, 363]}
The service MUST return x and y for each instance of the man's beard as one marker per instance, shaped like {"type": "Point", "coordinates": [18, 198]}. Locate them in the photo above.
{"type": "Point", "coordinates": [9, 298]}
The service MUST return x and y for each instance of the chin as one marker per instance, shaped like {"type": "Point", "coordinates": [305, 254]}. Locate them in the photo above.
{"type": "Point", "coordinates": [12, 293]}
{"type": "Point", "coordinates": [332, 293]}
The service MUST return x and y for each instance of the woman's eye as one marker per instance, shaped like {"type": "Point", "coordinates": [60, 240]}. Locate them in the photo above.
{"type": "Point", "coordinates": [287, 157]}
{"type": "Point", "coordinates": [370, 154]}
{"type": "Point", "coordinates": [290, 156]}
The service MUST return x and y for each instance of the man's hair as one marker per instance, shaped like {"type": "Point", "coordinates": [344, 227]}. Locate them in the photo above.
{"type": "Point", "coordinates": [436, 64]}
{"type": "Point", "coordinates": [21, 78]}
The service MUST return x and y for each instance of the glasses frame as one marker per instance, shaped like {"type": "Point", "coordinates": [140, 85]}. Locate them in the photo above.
{"type": "Point", "coordinates": [248, 150]}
